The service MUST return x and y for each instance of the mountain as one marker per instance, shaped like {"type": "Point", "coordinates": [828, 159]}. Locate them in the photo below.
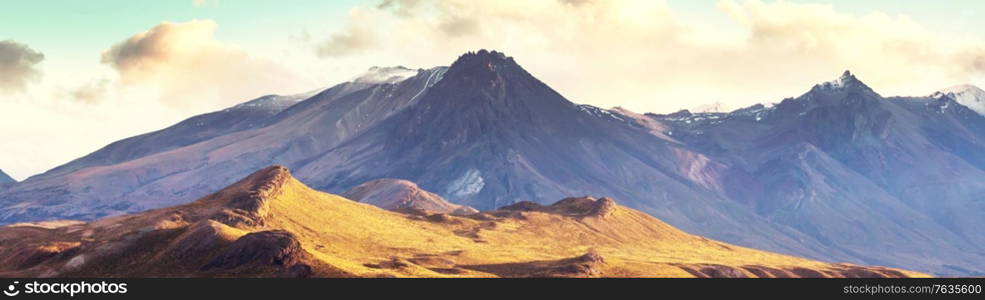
{"type": "Point", "coordinates": [842, 159]}
{"type": "Point", "coordinates": [840, 173]}
{"type": "Point", "coordinates": [403, 195]}
{"type": "Point", "coordinates": [269, 224]}
{"type": "Point", "coordinates": [207, 152]}
{"type": "Point", "coordinates": [482, 133]}
{"type": "Point", "coordinates": [4, 178]}
{"type": "Point", "coordinates": [489, 134]}
{"type": "Point", "coordinates": [255, 113]}
{"type": "Point", "coordinates": [968, 95]}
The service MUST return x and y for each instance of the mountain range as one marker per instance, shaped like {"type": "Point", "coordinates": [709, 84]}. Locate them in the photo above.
{"type": "Point", "coordinates": [271, 225]}
{"type": "Point", "coordinates": [839, 173]}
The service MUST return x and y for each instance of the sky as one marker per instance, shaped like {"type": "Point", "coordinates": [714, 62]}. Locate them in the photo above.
{"type": "Point", "coordinates": [77, 75]}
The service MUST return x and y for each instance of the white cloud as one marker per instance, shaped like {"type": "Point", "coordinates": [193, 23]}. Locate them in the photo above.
{"type": "Point", "coordinates": [194, 72]}
{"type": "Point", "coordinates": [18, 66]}
{"type": "Point", "coordinates": [146, 82]}
{"type": "Point", "coordinates": [646, 56]}
{"type": "Point", "coordinates": [640, 54]}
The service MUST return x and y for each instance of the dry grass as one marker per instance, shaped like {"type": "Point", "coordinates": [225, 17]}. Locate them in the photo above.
{"type": "Point", "coordinates": [341, 237]}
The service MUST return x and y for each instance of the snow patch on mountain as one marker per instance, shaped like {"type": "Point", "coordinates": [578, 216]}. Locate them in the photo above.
{"type": "Point", "coordinates": [598, 112]}
{"type": "Point", "coordinates": [433, 78]}
{"type": "Point", "coordinates": [840, 82]}
{"type": "Point", "coordinates": [968, 95]}
{"type": "Point", "coordinates": [469, 184]}
{"type": "Point", "coordinates": [378, 75]}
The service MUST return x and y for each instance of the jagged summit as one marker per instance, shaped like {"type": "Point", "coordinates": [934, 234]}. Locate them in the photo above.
{"type": "Point", "coordinates": [482, 56]}
{"type": "Point", "coordinates": [846, 82]}
{"type": "Point", "coordinates": [847, 92]}
{"type": "Point", "coordinates": [483, 68]}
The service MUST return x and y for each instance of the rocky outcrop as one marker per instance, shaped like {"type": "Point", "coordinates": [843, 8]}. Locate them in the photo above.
{"type": "Point", "coordinates": [276, 248]}
{"type": "Point", "coordinates": [573, 206]}
{"type": "Point", "coordinates": [590, 264]}
{"type": "Point", "coordinates": [602, 208]}
{"type": "Point", "coordinates": [246, 206]}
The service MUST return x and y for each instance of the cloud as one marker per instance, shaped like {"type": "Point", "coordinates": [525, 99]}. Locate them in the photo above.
{"type": "Point", "coordinates": [191, 70]}
{"type": "Point", "coordinates": [646, 56]}
{"type": "Point", "coordinates": [92, 92]}
{"type": "Point", "coordinates": [356, 37]}
{"type": "Point", "coordinates": [18, 66]}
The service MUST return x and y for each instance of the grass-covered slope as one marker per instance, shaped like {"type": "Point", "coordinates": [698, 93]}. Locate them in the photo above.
{"type": "Point", "coordinates": [271, 225]}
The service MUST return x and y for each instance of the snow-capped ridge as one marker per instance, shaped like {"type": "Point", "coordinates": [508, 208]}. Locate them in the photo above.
{"type": "Point", "coordinates": [968, 95]}
{"type": "Point", "coordinates": [714, 107]}
{"type": "Point", "coordinates": [273, 102]}
{"type": "Point", "coordinates": [378, 75]}
{"type": "Point", "coordinates": [598, 112]}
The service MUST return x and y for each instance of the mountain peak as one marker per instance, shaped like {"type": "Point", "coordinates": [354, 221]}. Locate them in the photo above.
{"type": "Point", "coordinates": [846, 79]}
{"type": "Point", "coordinates": [968, 95]}
{"type": "Point", "coordinates": [403, 195]}
{"type": "Point", "coordinates": [846, 82]}
{"type": "Point", "coordinates": [962, 88]}
{"type": "Point", "coordinates": [4, 178]}
{"type": "Point", "coordinates": [492, 78]}
{"type": "Point", "coordinates": [482, 56]}
{"type": "Point", "coordinates": [483, 61]}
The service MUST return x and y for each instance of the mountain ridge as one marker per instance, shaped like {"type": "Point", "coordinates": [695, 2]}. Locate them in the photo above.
{"type": "Point", "coordinates": [792, 178]}
{"type": "Point", "coordinates": [257, 227]}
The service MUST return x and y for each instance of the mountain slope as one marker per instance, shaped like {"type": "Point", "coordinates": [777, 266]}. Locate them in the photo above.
{"type": "Point", "coordinates": [251, 114]}
{"type": "Point", "coordinates": [271, 225]}
{"type": "Point", "coordinates": [4, 178]}
{"type": "Point", "coordinates": [482, 133]}
{"type": "Point", "coordinates": [490, 134]}
{"type": "Point", "coordinates": [87, 189]}
{"type": "Point", "coordinates": [843, 159]}
{"type": "Point", "coordinates": [970, 96]}
{"type": "Point", "coordinates": [403, 195]}
{"type": "Point", "coordinates": [840, 173]}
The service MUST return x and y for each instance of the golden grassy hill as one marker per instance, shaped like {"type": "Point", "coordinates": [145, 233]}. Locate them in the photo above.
{"type": "Point", "coordinates": [269, 224]}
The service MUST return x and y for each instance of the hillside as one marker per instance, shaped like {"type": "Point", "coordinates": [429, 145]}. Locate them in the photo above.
{"type": "Point", "coordinates": [272, 225]}
{"type": "Point", "coordinates": [839, 173]}
{"type": "Point", "coordinates": [403, 195]}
